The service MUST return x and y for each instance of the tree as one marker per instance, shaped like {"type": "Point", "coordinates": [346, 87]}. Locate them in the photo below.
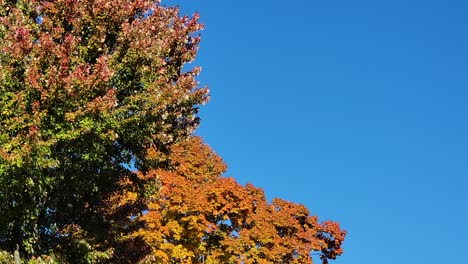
{"type": "Point", "coordinates": [96, 159]}
{"type": "Point", "coordinates": [197, 216]}
{"type": "Point", "coordinates": [86, 87]}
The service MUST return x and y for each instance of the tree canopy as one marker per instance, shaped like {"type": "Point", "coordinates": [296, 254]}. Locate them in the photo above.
{"type": "Point", "coordinates": [97, 159]}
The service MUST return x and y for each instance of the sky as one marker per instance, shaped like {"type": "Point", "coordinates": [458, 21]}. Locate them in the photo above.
{"type": "Point", "coordinates": [356, 109]}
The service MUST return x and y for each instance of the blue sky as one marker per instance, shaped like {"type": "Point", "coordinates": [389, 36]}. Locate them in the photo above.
{"type": "Point", "coordinates": [356, 109]}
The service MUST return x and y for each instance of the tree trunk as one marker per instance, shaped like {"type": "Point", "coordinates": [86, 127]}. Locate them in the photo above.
{"type": "Point", "coordinates": [17, 255]}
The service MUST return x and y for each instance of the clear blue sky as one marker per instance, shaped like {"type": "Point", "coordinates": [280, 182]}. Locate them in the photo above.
{"type": "Point", "coordinates": [357, 109]}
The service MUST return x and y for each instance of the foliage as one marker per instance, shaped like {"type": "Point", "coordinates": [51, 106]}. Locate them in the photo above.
{"type": "Point", "coordinates": [6, 258]}
{"type": "Point", "coordinates": [85, 87]}
{"type": "Point", "coordinates": [97, 164]}
{"type": "Point", "coordinates": [197, 216]}
{"type": "Point", "coordinates": [42, 260]}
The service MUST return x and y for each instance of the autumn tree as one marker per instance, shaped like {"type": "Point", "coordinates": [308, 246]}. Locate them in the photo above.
{"type": "Point", "coordinates": [86, 86]}
{"type": "Point", "coordinates": [198, 216]}
{"type": "Point", "coordinates": [97, 161]}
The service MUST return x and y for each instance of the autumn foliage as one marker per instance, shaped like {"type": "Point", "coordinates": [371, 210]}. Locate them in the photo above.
{"type": "Point", "coordinates": [97, 159]}
{"type": "Point", "coordinates": [198, 216]}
